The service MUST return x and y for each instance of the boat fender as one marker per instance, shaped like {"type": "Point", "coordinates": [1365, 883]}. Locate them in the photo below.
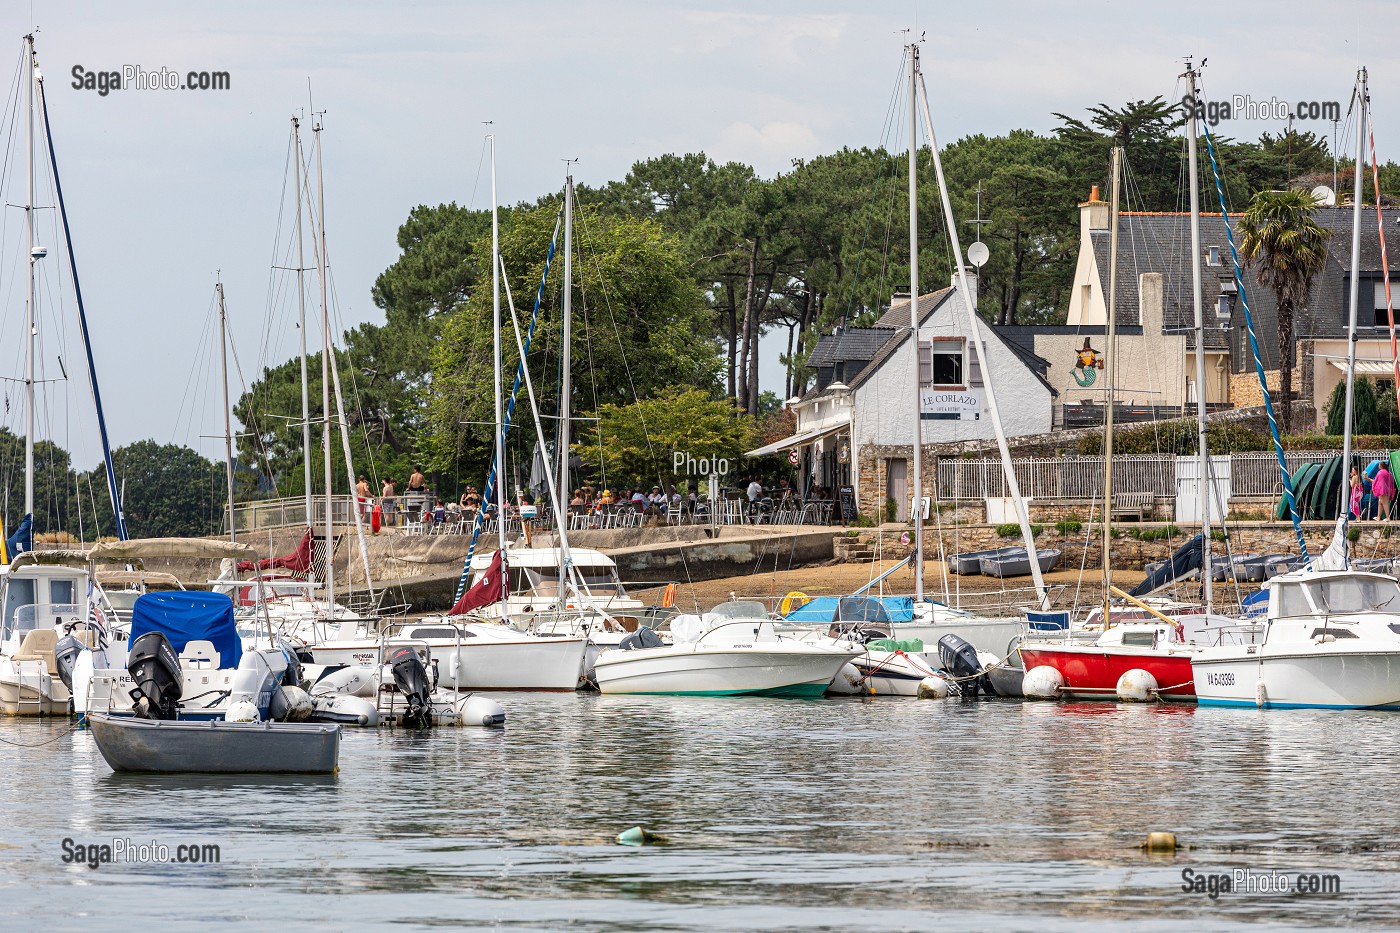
{"type": "Point", "coordinates": [1261, 695]}
{"type": "Point", "coordinates": [242, 711]}
{"type": "Point", "coordinates": [933, 687]}
{"type": "Point", "coordinates": [1042, 683]}
{"type": "Point", "coordinates": [1136, 686]}
{"type": "Point", "coordinates": [637, 836]}
{"type": "Point", "coordinates": [483, 711]}
{"type": "Point", "coordinates": [290, 704]}
{"type": "Point", "coordinates": [345, 710]}
{"type": "Point", "coordinates": [454, 666]}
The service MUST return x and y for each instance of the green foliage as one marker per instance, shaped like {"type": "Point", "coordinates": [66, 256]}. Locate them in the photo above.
{"type": "Point", "coordinates": [639, 326]}
{"type": "Point", "coordinates": [1365, 412]}
{"type": "Point", "coordinates": [168, 491]}
{"type": "Point", "coordinates": [1217, 535]}
{"type": "Point", "coordinates": [863, 521]}
{"type": "Point", "coordinates": [1178, 437]}
{"type": "Point", "coordinates": [1013, 530]}
{"type": "Point", "coordinates": [1353, 534]}
{"type": "Point", "coordinates": [1333, 442]}
{"type": "Point", "coordinates": [891, 509]}
{"type": "Point", "coordinates": [1068, 526]}
{"type": "Point", "coordinates": [637, 443]}
{"type": "Point", "coordinates": [54, 485]}
{"type": "Point", "coordinates": [1164, 533]}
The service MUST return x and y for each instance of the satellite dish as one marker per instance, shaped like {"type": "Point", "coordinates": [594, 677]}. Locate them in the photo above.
{"type": "Point", "coordinates": [1325, 196]}
{"type": "Point", "coordinates": [978, 254]}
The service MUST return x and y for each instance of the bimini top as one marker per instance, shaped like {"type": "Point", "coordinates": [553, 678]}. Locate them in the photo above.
{"type": "Point", "coordinates": [184, 616]}
{"type": "Point", "coordinates": [855, 609]}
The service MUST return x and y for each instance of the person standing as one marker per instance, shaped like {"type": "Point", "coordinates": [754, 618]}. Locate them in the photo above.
{"type": "Point", "coordinates": [389, 503]}
{"type": "Point", "coordinates": [1383, 488]}
{"type": "Point", "coordinates": [1357, 491]}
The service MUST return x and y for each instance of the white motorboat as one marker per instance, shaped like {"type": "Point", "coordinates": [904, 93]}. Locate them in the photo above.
{"type": "Point", "coordinates": [1332, 641]}
{"type": "Point", "coordinates": [45, 612]}
{"type": "Point", "coordinates": [734, 651]}
{"type": "Point", "coordinates": [475, 655]}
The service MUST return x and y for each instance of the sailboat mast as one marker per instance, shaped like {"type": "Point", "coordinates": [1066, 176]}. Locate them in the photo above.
{"type": "Point", "coordinates": [496, 353]}
{"type": "Point", "coordinates": [974, 330]}
{"type": "Point", "coordinates": [914, 348]}
{"type": "Point", "coordinates": [566, 350]}
{"type": "Point", "coordinates": [1361, 102]}
{"type": "Point", "coordinates": [301, 328]}
{"type": "Point", "coordinates": [1197, 301]}
{"type": "Point", "coordinates": [325, 372]}
{"type": "Point", "coordinates": [29, 315]}
{"type": "Point", "coordinates": [1110, 373]}
{"type": "Point", "coordinates": [228, 420]}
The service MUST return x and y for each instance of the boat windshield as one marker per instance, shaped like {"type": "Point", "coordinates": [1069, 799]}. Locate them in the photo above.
{"type": "Point", "coordinates": [1356, 594]}
{"type": "Point", "coordinates": [740, 609]}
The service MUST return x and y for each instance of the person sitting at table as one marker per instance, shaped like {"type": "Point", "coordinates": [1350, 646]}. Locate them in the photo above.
{"type": "Point", "coordinates": [606, 498]}
{"type": "Point", "coordinates": [577, 500]}
{"type": "Point", "coordinates": [673, 498]}
{"type": "Point", "coordinates": [656, 501]}
{"type": "Point", "coordinates": [639, 499]}
{"type": "Point", "coordinates": [439, 513]}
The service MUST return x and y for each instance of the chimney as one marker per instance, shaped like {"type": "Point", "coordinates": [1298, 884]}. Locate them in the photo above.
{"type": "Point", "coordinates": [1150, 303]}
{"type": "Point", "coordinates": [1093, 215]}
{"type": "Point", "coordinates": [972, 283]}
{"type": "Point", "coordinates": [898, 298]}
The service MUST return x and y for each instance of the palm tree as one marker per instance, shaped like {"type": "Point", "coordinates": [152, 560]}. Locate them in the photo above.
{"type": "Point", "coordinates": [1287, 247]}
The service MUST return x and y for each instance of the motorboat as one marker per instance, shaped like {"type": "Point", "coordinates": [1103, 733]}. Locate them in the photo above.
{"type": "Point", "coordinates": [734, 650]}
{"type": "Point", "coordinates": [907, 620]}
{"type": "Point", "coordinates": [1331, 641]}
{"type": "Point", "coordinates": [48, 619]}
{"type": "Point", "coordinates": [535, 588]}
{"type": "Point", "coordinates": [475, 655]}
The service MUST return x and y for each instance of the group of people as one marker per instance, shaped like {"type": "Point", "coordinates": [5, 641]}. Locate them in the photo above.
{"type": "Point", "coordinates": [1382, 487]}
{"type": "Point", "coordinates": [657, 501]}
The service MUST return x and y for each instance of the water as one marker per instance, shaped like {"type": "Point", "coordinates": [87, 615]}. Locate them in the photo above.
{"type": "Point", "coordinates": [848, 814]}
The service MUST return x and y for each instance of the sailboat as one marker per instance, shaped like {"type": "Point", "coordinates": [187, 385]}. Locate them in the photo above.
{"type": "Point", "coordinates": [1332, 634]}
{"type": "Point", "coordinates": [1147, 657]}
{"type": "Point", "coordinates": [50, 611]}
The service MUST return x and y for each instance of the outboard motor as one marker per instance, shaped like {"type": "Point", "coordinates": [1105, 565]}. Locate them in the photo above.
{"type": "Point", "coordinates": [411, 678]}
{"type": "Point", "coordinates": [65, 656]}
{"type": "Point", "coordinates": [293, 676]}
{"type": "Point", "coordinates": [643, 637]}
{"type": "Point", "coordinates": [960, 659]}
{"type": "Point", "coordinates": [155, 671]}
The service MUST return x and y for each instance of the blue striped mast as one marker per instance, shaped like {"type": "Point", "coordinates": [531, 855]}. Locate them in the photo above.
{"type": "Point", "coordinates": [488, 493]}
{"type": "Point", "coordinates": [1254, 348]}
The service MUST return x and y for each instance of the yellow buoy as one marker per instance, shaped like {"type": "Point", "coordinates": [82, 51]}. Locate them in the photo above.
{"type": "Point", "coordinates": [1160, 842]}
{"type": "Point", "coordinates": [793, 600]}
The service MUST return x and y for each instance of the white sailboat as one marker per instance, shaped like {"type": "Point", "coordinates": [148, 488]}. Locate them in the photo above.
{"type": "Point", "coordinates": [1332, 634]}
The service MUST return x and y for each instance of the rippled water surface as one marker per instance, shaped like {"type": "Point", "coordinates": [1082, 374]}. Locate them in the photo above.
{"type": "Point", "coordinates": [846, 814]}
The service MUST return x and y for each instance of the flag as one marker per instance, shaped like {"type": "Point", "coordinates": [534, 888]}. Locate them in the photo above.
{"type": "Point", "coordinates": [491, 588]}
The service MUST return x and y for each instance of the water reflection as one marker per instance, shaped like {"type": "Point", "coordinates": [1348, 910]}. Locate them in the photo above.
{"type": "Point", "coordinates": [877, 814]}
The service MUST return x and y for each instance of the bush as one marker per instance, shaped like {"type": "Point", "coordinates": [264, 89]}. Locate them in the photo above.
{"type": "Point", "coordinates": [1068, 526]}
{"type": "Point", "coordinates": [863, 521]}
{"type": "Point", "coordinates": [1177, 437]}
{"type": "Point", "coordinates": [891, 508]}
{"type": "Point", "coordinates": [1353, 535]}
{"type": "Point", "coordinates": [1217, 535]}
{"type": "Point", "coordinates": [1155, 534]}
{"type": "Point", "coordinates": [1013, 530]}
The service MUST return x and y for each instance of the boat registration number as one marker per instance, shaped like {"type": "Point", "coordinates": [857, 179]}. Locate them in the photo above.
{"type": "Point", "coordinates": [1221, 680]}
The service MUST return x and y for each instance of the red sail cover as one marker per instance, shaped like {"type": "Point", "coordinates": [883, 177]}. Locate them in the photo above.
{"type": "Point", "coordinates": [491, 588]}
{"type": "Point", "coordinates": [299, 561]}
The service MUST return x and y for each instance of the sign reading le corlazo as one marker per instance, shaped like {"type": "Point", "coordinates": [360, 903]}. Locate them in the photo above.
{"type": "Point", "coordinates": [950, 405]}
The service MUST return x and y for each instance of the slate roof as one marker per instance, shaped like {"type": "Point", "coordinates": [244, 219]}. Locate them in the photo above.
{"type": "Point", "coordinates": [849, 343]}
{"type": "Point", "coordinates": [1162, 243]}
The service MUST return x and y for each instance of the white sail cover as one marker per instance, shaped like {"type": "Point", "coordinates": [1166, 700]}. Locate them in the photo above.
{"type": "Point", "coordinates": [1335, 557]}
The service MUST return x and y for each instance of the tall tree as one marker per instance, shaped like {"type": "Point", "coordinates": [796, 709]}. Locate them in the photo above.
{"type": "Point", "coordinates": [1286, 246]}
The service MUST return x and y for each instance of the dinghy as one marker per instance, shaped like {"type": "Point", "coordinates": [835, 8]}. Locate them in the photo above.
{"type": "Point", "coordinates": [216, 747]}
{"type": "Point", "coordinates": [1015, 563]}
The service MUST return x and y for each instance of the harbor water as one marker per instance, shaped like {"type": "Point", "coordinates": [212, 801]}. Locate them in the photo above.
{"type": "Point", "coordinates": [845, 814]}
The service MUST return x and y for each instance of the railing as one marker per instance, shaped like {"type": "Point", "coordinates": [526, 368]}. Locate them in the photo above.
{"type": "Point", "coordinates": [290, 513]}
{"type": "Point", "coordinates": [1257, 474]}
{"type": "Point", "coordinates": [1056, 477]}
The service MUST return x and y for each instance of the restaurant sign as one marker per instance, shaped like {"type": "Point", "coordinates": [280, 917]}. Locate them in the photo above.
{"type": "Point", "coordinates": [950, 404]}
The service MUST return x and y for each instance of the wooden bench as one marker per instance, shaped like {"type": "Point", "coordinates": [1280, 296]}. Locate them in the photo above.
{"type": "Point", "coordinates": [1138, 506]}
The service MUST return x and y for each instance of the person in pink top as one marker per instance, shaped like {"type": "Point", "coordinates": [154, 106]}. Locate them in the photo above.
{"type": "Point", "coordinates": [1383, 488]}
{"type": "Point", "coordinates": [1357, 491]}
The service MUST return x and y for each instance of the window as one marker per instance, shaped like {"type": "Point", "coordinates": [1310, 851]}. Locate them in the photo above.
{"type": "Point", "coordinates": [1212, 255]}
{"type": "Point", "coordinates": [1382, 318]}
{"type": "Point", "coordinates": [941, 363]}
{"type": "Point", "coordinates": [61, 592]}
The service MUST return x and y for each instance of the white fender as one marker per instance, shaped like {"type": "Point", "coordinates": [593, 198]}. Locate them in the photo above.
{"type": "Point", "coordinates": [1042, 683]}
{"type": "Point", "coordinates": [290, 704]}
{"type": "Point", "coordinates": [1136, 686]}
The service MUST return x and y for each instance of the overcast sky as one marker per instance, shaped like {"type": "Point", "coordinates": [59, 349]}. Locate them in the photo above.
{"type": "Point", "coordinates": [166, 187]}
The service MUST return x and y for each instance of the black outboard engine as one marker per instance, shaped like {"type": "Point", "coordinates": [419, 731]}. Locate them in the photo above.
{"type": "Point", "coordinates": [643, 637]}
{"type": "Point", "coordinates": [959, 658]}
{"type": "Point", "coordinates": [293, 676]}
{"type": "Point", "coordinates": [65, 656]}
{"type": "Point", "coordinates": [155, 671]}
{"type": "Point", "coordinates": [411, 678]}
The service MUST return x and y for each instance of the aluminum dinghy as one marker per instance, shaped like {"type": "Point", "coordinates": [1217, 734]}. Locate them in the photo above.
{"type": "Point", "coordinates": [216, 746]}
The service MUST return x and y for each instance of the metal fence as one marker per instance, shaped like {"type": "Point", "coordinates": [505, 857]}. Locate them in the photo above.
{"type": "Point", "coordinates": [290, 513]}
{"type": "Point", "coordinates": [1057, 477]}
{"type": "Point", "coordinates": [1254, 474]}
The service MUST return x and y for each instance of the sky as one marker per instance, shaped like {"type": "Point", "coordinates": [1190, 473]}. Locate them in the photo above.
{"type": "Point", "coordinates": [169, 190]}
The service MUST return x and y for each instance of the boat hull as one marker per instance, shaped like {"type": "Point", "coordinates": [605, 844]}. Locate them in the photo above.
{"type": "Point", "coordinates": [216, 747]}
{"type": "Point", "coordinates": [1091, 672]}
{"type": "Point", "coordinates": [28, 692]}
{"type": "Point", "coordinates": [759, 670]}
{"type": "Point", "coordinates": [483, 663]}
{"type": "Point", "coordinates": [1299, 679]}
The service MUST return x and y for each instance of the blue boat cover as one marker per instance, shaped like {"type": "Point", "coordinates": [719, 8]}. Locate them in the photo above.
{"type": "Point", "coordinates": [1255, 604]}
{"type": "Point", "coordinates": [185, 616]}
{"type": "Point", "coordinates": [855, 609]}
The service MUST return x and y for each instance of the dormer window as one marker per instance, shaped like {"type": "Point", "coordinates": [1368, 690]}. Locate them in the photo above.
{"type": "Point", "coordinates": [1212, 255]}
